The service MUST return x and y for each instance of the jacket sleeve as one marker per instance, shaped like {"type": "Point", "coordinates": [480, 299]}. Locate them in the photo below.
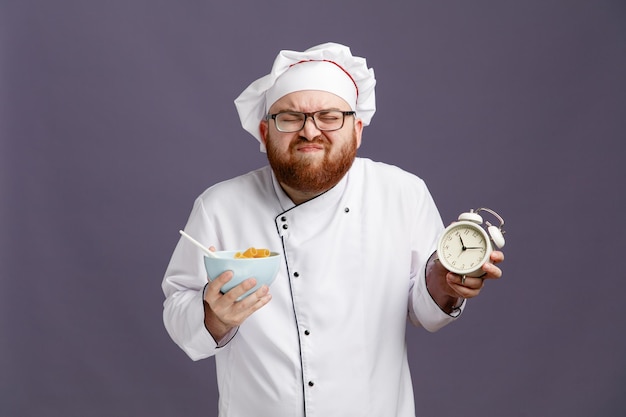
{"type": "Point", "coordinates": [428, 226]}
{"type": "Point", "coordinates": [183, 286]}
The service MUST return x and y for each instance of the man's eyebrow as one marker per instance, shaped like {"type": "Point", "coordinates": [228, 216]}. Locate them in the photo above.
{"type": "Point", "coordinates": [291, 110]}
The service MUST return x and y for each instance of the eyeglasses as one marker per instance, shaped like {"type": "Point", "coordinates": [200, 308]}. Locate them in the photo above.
{"type": "Point", "coordinates": [294, 121]}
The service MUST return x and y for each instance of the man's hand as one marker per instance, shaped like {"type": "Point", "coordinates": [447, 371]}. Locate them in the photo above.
{"type": "Point", "coordinates": [222, 312]}
{"type": "Point", "coordinates": [446, 287]}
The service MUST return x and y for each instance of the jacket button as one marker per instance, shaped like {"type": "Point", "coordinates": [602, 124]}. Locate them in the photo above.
{"type": "Point", "coordinates": [283, 218]}
{"type": "Point", "coordinates": [285, 226]}
{"type": "Point", "coordinates": [296, 274]}
{"type": "Point", "coordinates": [311, 383]}
{"type": "Point", "coordinates": [306, 332]}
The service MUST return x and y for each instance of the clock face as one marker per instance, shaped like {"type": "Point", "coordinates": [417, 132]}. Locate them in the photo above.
{"type": "Point", "coordinates": [464, 248]}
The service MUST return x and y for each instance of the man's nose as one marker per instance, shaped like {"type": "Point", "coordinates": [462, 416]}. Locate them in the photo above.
{"type": "Point", "coordinates": [309, 130]}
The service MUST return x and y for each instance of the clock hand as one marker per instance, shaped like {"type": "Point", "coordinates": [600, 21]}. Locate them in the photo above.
{"type": "Point", "coordinates": [474, 247]}
{"type": "Point", "coordinates": [463, 248]}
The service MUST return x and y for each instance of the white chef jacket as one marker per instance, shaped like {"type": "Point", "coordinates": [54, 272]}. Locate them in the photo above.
{"type": "Point", "coordinates": [331, 342]}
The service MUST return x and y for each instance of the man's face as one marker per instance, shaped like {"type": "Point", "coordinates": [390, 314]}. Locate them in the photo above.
{"type": "Point", "coordinates": [311, 161]}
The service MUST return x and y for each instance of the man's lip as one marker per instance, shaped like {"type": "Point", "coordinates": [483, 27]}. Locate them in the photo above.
{"type": "Point", "coordinates": [309, 147]}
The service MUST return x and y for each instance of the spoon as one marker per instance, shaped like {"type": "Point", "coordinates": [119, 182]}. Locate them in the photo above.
{"type": "Point", "coordinates": [200, 245]}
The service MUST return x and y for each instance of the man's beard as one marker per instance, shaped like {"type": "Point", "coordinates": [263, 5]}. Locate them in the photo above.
{"type": "Point", "coordinates": [305, 175]}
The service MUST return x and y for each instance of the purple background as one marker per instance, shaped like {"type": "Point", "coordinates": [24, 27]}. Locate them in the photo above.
{"type": "Point", "coordinates": [115, 115]}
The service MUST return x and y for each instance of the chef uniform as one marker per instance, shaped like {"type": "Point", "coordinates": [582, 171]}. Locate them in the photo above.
{"type": "Point", "coordinates": [331, 342]}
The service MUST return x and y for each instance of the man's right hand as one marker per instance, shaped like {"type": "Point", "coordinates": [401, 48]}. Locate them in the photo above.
{"type": "Point", "coordinates": [222, 312]}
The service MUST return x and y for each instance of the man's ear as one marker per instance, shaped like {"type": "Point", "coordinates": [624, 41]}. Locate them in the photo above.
{"type": "Point", "coordinates": [263, 128]}
{"type": "Point", "coordinates": [358, 129]}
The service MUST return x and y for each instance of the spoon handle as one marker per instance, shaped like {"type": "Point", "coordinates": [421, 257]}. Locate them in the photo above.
{"type": "Point", "coordinates": [198, 244]}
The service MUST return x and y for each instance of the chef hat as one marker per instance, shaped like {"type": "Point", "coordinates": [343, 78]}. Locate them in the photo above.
{"type": "Point", "coordinates": [328, 67]}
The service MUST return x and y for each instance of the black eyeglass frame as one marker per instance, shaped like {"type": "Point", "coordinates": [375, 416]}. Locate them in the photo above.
{"type": "Point", "coordinates": [312, 116]}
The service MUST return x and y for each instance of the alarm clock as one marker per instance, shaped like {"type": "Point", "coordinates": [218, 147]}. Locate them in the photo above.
{"type": "Point", "coordinates": [465, 245]}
